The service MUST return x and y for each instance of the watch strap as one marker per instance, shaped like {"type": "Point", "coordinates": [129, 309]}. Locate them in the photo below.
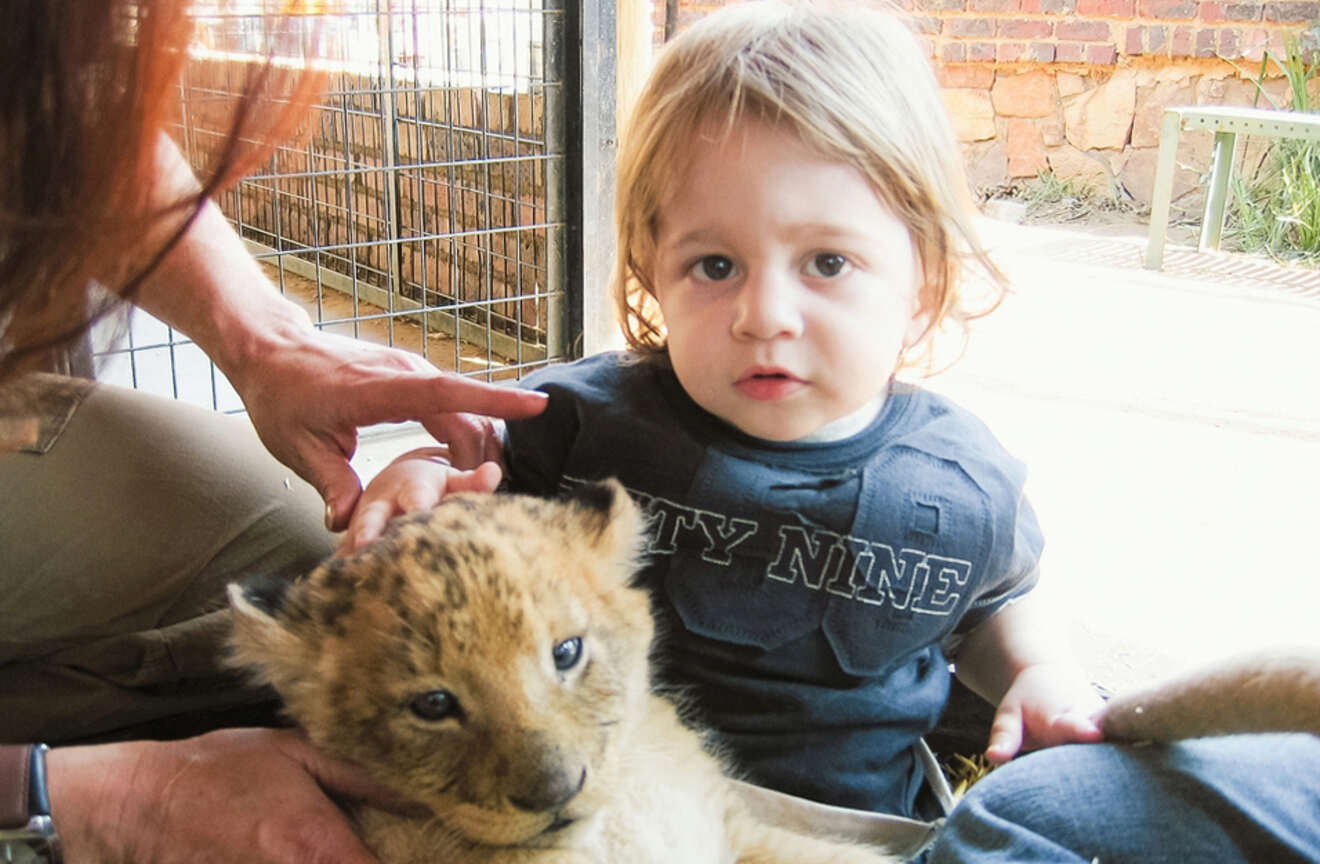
{"type": "Point", "coordinates": [15, 785]}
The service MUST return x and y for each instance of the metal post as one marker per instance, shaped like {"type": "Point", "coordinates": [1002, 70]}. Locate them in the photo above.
{"type": "Point", "coordinates": [1221, 169]}
{"type": "Point", "coordinates": [389, 146]}
{"type": "Point", "coordinates": [556, 173]}
{"type": "Point", "coordinates": [1159, 205]}
{"type": "Point", "coordinates": [597, 70]}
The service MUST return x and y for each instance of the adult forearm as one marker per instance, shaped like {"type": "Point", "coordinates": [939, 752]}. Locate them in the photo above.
{"type": "Point", "coordinates": [212, 290]}
{"type": "Point", "coordinates": [208, 286]}
{"type": "Point", "coordinates": [307, 392]}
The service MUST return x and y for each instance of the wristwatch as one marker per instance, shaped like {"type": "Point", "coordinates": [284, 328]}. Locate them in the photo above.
{"type": "Point", "coordinates": [27, 835]}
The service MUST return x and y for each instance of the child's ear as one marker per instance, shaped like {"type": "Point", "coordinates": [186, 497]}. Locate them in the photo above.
{"type": "Point", "coordinates": [919, 325]}
{"type": "Point", "coordinates": [265, 592]}
{"type": "Point", "coordinates": [263, 641]}
{"type": "Point", "coordinates": [613, 522]}
{"type": "Point", "coordinates": [917, 329]}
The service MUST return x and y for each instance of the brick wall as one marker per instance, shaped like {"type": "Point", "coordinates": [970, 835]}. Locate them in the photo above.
{"type": "Point", "coordinates": [1105, 32]}
{"type": "Point", "coordinates": [1077, 87]}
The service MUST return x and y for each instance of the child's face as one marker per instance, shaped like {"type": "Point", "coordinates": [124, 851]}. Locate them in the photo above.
{"type": "Point", "coordinates": [787, 288]}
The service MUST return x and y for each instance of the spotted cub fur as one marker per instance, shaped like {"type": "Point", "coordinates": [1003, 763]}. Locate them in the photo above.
{"type": "Point", "coordinates": [489, 660]}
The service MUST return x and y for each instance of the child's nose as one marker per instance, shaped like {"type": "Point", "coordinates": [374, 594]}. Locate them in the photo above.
{"type": "Point", "coordinates": [767, 308]}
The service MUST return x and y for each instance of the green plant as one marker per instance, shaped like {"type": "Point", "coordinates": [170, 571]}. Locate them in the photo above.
{"type": "Point", "coordinates": [1277, 206]}
{"type": "Point", "coordinates": [1054, 199]}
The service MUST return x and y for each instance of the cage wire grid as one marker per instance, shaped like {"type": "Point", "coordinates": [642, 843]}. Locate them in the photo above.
{"type": "Point", "coordinates": [423, 205]}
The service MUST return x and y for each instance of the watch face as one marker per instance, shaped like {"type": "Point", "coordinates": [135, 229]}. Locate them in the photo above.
{"type": "Point", "coordinates": [25, 850]}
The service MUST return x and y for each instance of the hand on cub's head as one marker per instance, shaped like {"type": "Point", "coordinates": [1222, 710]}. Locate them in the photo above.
{"type": "Point", "coordinates": [416, 480]}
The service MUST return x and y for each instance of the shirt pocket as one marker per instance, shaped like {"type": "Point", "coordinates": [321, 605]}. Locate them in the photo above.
{"type": "Point", "coordinates": [739, 604]}
{"type": "Point", "coordinates": [914, 558]}
{"type": "Point", "coordinates": [35, 408]}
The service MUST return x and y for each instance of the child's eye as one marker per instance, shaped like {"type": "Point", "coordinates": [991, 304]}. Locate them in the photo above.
{"type": "Point", "coordinates": [826, 264]}
{"type": "Point", "coordinates": [713, 268]}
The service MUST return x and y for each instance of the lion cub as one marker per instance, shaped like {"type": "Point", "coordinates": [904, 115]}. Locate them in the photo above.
{"type": "Point", "coordinates": [489, 660]}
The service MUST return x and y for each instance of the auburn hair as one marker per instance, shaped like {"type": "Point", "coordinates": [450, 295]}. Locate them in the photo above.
{"type": "Point", "coordinates": [89, 88]}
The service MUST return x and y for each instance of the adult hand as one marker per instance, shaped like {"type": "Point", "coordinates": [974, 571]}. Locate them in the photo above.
{"type": "Point", "coordinates": [1046, 705]}
{"type": "Point", "coordinates": [308, 397]}
{"type": "Point", "coordinates": [415, 480]}
{"type": "Point", "coordinates": [246, 796]}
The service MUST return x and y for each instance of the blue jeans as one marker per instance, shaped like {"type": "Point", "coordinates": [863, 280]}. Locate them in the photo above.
{"type": "Point", "coordinates": [1246, 798]}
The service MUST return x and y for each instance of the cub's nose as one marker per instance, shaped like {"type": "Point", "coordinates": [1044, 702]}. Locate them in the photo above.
{"type": "Point", "coordinates": [549, 791]}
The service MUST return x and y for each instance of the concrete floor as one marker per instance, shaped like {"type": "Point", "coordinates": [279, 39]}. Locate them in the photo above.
{"type": "Point", "coordinates": [1171, 424]}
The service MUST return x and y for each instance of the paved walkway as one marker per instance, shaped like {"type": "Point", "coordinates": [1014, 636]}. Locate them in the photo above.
{"type": "Point", "coordinates": [1171, 423]}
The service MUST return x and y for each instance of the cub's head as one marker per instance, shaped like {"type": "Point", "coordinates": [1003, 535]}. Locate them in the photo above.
{"type": "Point", "coordinates": [486, 658]}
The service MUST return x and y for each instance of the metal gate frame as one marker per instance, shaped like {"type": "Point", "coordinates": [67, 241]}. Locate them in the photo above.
{"type": "Point", "coordinates": [579, 44]}
{"type": "Point", "coordinates": [591, 73]}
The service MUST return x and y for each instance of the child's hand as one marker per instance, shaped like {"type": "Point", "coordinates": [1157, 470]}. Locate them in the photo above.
{"type": "Point", "coordinates": [414, 481]}
{"type": "Point", "coordinates": [1047, 704]}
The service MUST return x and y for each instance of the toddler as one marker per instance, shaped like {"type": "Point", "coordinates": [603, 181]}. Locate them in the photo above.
{"type": "Point", "coordinates": [793, 228]}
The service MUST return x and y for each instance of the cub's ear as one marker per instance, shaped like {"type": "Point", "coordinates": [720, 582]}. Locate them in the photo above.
{"type": "Point", "coordinates": [612, 521]}
{"type": "Point", "coordinates": [266, 592]}
{"type": "Point", "coordinates": [262, 640]}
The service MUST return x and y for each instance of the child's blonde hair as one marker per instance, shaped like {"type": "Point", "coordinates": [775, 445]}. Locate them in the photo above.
{"type": "Point", "coordinates": [854, 84]}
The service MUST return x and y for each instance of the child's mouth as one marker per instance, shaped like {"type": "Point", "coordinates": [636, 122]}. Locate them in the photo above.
{"type": "Point", "coordinates": [768, 384]}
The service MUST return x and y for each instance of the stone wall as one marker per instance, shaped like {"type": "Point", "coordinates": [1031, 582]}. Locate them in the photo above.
{"type": "Point", "coordinates": [1077, 87]}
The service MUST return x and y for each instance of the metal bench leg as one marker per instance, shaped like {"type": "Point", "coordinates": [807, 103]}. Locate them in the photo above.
{"type": "Point", "coordinates": [1221, 168]}
{"type": "Point", "coordinates": [1163, 191]}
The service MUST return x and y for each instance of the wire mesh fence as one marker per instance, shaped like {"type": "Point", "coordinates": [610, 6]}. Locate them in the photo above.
{"type": "Point", "coordinates": [423, 205]}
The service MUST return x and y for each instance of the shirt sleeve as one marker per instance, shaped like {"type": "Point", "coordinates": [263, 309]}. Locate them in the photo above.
{"type": "Point", "coordinates": [1018, 577]}
{"type": "Point", "coordinates": [537, 448]}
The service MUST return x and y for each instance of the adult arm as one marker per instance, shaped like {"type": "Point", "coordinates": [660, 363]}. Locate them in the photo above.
{"type": "Point", "coordinates": [246, 796]}
{"type": "Point", "coordinates": [307, 392]}
{"type": "Point", "coordinates": [1020, 660]}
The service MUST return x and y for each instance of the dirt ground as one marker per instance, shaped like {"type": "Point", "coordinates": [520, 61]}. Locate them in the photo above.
{"type": "Point", "coordinates": [1052, 205]}
{"type": "Point", "coordinates": [362, 320]}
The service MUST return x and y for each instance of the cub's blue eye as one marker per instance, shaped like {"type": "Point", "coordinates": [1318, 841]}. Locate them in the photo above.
{"type": "Point", "coordinates": [567, 653]}
{"type": "Point", "coordinates": [827, 264]}
{"type": "Point", "coordinates": [434, 705]}
{"type": "Point", "coordinates": [714, 268]}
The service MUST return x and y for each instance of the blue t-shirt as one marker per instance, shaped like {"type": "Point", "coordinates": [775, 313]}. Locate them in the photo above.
{"type": "Point", "coordinates": [806, 592]}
